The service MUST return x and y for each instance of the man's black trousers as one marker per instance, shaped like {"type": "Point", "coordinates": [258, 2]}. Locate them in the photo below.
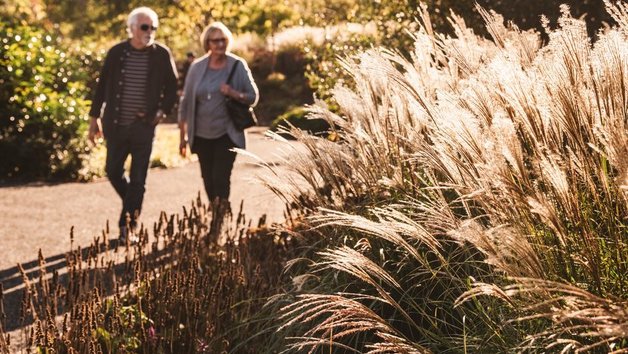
{"type": "Point", "coordinates": [135, 140]}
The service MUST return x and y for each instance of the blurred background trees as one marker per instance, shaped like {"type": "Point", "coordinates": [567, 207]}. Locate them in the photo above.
{"type": "Point", "coordinates": [291, 46]}
{"type": "Point", "coordinates": [44, 96]}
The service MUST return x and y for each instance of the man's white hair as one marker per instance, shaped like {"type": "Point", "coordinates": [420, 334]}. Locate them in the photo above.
{"type": "Point", "coordinates": [137, 12]}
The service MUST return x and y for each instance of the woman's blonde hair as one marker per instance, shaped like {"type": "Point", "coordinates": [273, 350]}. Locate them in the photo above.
{"type": "Point", "coordinates": [213, 27]}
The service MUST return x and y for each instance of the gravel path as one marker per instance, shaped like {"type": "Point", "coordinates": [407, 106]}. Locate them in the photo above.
{"type": "Point", "coordinates": [40, 216]}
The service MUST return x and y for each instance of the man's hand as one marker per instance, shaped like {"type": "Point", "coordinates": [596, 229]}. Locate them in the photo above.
{"type": "Point", "coordinates": [159, 116]}
{"type": "Point", "coordinates": [94, 130]}
{"type": "Point", "coordinates": [183, 147]}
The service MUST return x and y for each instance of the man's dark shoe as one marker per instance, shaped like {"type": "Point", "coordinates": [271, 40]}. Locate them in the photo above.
{"type": "Point", "coordinates": [127, 234]}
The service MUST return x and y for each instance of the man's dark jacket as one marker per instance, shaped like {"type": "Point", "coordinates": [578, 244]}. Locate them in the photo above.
{"type": "Point", "coordinates": [161, 90]}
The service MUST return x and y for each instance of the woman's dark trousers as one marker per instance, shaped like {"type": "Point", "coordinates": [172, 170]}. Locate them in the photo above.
{"type": "Point", "coordinates": [216, 164]}
{"type": "Point", "coordinates": [135, 140]}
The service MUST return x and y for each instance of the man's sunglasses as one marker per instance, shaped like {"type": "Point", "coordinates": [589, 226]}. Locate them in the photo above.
{"type": "Point", "coordinates": [146, 27]}
{"type": "Point", "coordinates": [218, 40]}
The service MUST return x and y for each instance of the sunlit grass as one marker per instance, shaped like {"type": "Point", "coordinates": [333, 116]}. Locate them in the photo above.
{"type": "Point", "coordinates": [166, 148]}
{"type": "Point", "coordinates": [165, 154]}
{"type": "Point", "coordinates": [476, 197]}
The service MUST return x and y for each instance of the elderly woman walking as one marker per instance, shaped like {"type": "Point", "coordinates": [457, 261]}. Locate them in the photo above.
{"type": "Point", "coordinates": [203, 119]}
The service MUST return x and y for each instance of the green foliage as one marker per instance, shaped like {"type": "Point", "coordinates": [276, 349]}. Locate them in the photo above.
{"type": "Point", "coordinates": [265, 17]}
{"type": "Point", "coordinates": [43, 102]}
{"type": "Point", "coordinates": [132, 323]}
{"type": "Point", "coordinates": [324, 71]}
{"type": "Point", "coordinates": [280, 80]}
{"type": "Point", "coordinates": [181, 22]}
{"type": "Point", "coordinates": [297, 117]}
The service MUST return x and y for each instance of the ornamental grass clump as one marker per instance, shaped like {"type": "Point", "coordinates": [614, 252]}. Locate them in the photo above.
{"type": "Point", "coordinates": [475, 197]}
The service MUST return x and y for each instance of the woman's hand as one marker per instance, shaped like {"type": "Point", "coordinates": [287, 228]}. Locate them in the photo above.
{"type": "Point", "coordinates": [183, 141]}
{"type": "Point", "coordinates": [226, 90]}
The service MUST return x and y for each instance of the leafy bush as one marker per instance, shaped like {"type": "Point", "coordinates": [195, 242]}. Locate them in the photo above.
{"type": "Point", "coordinates": [279, 76]}
{"type": "Point", "coordinates": [323, 71]}
{"type": "Point", "coordinates": [297, 117]}
{"type": "Point", "coordinates": [42, 103]}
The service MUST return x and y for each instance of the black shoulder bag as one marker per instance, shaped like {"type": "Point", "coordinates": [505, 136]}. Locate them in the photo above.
{"type": "Point", "coordinates": [241, 114]}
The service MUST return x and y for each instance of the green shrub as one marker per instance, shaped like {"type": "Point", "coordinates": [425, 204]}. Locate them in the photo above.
{"type": "Point", "coordinates": [290, 60]}
{"type": "Point", "coordinates": [280, 79]}
{"type": "Point", "coordinates": [42, 103]}
{"type": "Point", "coordinates": [322, 69]}
{"type": "Point", "coordinates": [297, 117]}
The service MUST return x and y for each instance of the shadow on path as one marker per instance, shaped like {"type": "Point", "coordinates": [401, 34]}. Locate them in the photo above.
{"type": "Point", "coordinates": [65, 276]}
{"type": "Point", "coordinates": [13, 280]}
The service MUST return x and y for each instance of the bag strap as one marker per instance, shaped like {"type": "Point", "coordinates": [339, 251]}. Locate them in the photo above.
{"type": "Point", "coordinates": [232, 70]}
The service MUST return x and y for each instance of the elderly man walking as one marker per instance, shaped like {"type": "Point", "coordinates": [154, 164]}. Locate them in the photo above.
{"type": "Point", "coordinates": [138, 87]}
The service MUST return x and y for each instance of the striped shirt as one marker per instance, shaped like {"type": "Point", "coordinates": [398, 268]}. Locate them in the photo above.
{"type": "Point", "coordinates": [134, 79]}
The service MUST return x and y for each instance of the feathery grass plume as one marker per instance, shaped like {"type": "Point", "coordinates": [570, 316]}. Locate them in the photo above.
{"type": "Point", "coordinates": [503, 248]}
{"type": "Point", "coordinates": [595, 321]}
{"type": "Point", "coordinates": [342, 317]}
{"type": "Point", "coordinates": [619, 13]}
{"type": "Point", "coordinates": [509, 155]}
{"type": "Point", "coordinates": [392, 226]}
{"type": "Point", "coordinates": [510, 38]}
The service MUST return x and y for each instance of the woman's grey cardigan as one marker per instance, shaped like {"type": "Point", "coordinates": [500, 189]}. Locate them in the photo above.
{"type": "Point", "coordinates": [242, 81]}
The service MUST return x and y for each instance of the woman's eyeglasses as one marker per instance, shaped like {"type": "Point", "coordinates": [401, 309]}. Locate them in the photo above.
{"type": "Point", "coordinates": [218, 40]}
{"type": "Point", "coordinates": [145, 27]}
